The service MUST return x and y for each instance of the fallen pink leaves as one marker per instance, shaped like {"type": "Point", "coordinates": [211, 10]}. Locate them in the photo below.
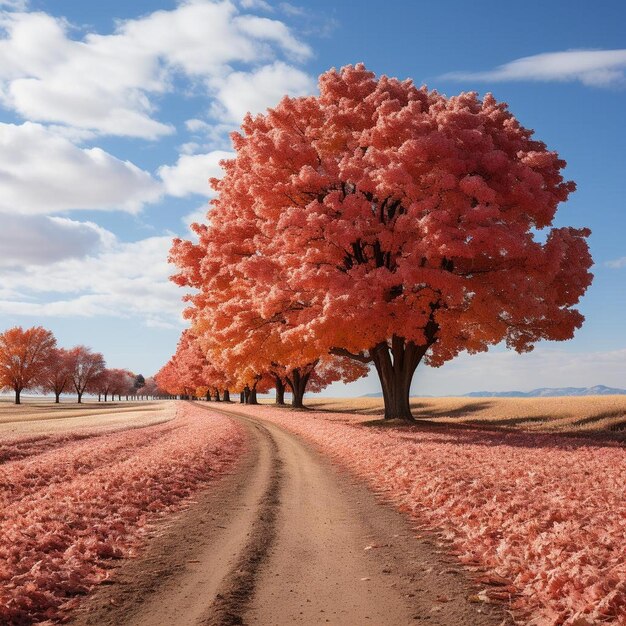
{"type": "Point", "coordinates": [546, 513]}
{"type": "Point", "coordinates": [67, 510]}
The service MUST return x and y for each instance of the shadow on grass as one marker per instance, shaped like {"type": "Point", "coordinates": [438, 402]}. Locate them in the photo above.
{"type": "Point", "coordinates": [479, 433]}
{"type": "Point", "coordinates": [511, 422]}
{"type": "Point", "coordinates": [459, 412]}
{"type": "Point", "coordinates": [361, 410]}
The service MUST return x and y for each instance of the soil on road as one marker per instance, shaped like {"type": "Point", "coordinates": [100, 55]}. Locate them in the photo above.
{"type": "Point", "coordinates": [288, 539]}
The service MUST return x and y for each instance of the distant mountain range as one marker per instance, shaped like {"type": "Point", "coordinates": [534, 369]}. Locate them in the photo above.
{"type": "Point", "coordinates": [543, 392]}
{"type": "Point", "coordinates": [549, 392]}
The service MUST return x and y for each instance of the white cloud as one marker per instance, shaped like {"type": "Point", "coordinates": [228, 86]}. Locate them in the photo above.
{"type": "Point", "coordinates": [41, 240]}
{"type": "Point", "coordinates": [191, 173]}
{"type": "Point", "coordinates": [190, 147]}
{"type": "Point", "coordinates": [265, 29]}
{"type": "Point", "coordinates": [16, 5]}
{"type": "Point", "coordinates": [42, 172]}
{"type": "Point", "coordinates": [256, 4]}
{"type": "Point", "coordinates": [596, 68]}
{"type": "Point", "coordinates": [255, 91]}
{"type": "Point", "coordinates": [195, 125]}
{"type": "Point", "coordinates": [617, 264]}
{"type": "Point", "coordinates": [108, 83]}
{"type": "Point", "coordinates": [292, 9]}
{"type": "Point", "coordinates": [124, 280]}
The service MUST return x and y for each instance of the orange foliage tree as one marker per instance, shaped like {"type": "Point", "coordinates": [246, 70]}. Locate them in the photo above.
{"type": "Point", "coordinates": [24, 357]}
{"type": "Point", "coordinates": [168, 380]}
{"type": "Point", "coordinates": [388, 224]}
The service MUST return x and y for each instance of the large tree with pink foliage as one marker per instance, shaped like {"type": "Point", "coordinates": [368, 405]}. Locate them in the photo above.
{"type": "Point", "coordinates": [389, 224]}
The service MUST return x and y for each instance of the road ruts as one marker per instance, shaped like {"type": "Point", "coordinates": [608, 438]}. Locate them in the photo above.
{"type": "Point", "coordinates": [288, 539]}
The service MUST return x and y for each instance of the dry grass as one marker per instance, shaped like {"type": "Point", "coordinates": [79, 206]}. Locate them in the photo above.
{"type": "Point", "coordinates": [37, 416]}
{"type": "Point", "coordinates": [564, 414]}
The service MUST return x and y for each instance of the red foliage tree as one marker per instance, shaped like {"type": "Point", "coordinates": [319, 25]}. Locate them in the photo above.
{"type": "Point", "coordinates": [111, 381]}
{"type": "Point", "coordinates": [56, 376]}
{"type": "Point", "coordinates": [24, 357]}
{"type": "Point", "coordinates": [182, 374]}
{"type": "Point", "coordinates": [101, 384]}
{"type": "Point", "coordinates": [86, 367]}
{"type": "Point", "coordinates": [121, 381]}
{"type": "Point", "coordinates": [391, 225]}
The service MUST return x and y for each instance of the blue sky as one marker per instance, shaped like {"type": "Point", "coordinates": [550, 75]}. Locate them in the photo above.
{"type": "Point", "coordinates": [113, 115]}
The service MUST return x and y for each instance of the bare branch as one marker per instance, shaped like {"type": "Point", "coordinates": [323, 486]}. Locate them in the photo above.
{"type": "Point", "coordinates": [363, 358]}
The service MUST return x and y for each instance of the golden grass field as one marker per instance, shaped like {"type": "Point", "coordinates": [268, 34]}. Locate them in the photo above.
{"type": "Point", "coordinates": [39, 416]}
{"type": "Point", "coordinates": [580, 414]}
{"type": "Point", "coordinates": [587, 414]}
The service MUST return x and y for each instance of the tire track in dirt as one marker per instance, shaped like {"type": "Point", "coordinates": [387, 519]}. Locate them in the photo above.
{"type": "Point", "coordinates": [288, 539]}
{"type": "Point", "coordinates": [201, 568]}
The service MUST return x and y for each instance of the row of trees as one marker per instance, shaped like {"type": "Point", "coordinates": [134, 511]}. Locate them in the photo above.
{"type": "Point", "coordinates": [191, 372]}
{"type": "Point", "coordinates": [376, 224]}
{"type": "Point", "coordinates": [30, 359]}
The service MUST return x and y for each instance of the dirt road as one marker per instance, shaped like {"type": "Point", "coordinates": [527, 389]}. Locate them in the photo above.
{"type": "Point", "coordinates": [287, 540]}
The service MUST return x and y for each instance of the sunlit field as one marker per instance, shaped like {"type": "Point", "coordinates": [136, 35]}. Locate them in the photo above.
{"type": "Point", "coordinates": [583, 414]}
{"type": "Point", "coordinates": [40, 416]}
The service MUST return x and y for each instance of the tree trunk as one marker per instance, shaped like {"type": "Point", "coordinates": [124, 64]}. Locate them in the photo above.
{"type": "Point", "coordinates": [80, 397]}
{"type": "Point", "coordinates": [246, 394]}
{"type": "Point", "coordinates": [252, 399]}
{"type": "Point", "coordinates": [280, 390]}
{"type": "Point", "coordinates": [395, 366]}
{"type": "Point", "coordinates": [226, 395]}
{"type": "Point", "coordinates": [18, 399]}
{"type": "Point", "coordinates": [208, 396]}
{"type": "Point", "coordinates": [242, 397]}
{"type": "Point", "coordinates": [57, 397]}
{"type": "Point", "coordinates": [217, 395]}
{"type": "Point", "coordinates": [298, 382]}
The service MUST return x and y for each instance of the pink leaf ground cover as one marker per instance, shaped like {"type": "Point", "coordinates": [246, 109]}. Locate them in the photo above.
{"type": "Point", "coordinates": [68, 510]}
{"type": "Point", "coordinates": [545, 513]}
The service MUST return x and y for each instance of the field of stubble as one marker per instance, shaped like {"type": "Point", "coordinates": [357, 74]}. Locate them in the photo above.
{"type": "Point", "coordinates": [587, 414]}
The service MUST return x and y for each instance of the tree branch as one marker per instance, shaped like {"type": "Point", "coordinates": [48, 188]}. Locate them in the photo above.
{"type": "Point", "coordinates": [363, 358]}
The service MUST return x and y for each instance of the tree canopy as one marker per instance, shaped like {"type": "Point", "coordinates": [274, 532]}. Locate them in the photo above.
{"type": "Point", "coordinates": [389, 224]}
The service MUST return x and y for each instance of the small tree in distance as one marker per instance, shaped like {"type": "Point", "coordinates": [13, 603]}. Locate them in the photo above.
{"type": "Point", "coordinates": [57, 374]}
{"type": "Point", "coordinates": [122, 381]}
{"type": "Point", "coordinates": [140, 381]}
{"type": "Point", "coordinates": [86, 367]}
